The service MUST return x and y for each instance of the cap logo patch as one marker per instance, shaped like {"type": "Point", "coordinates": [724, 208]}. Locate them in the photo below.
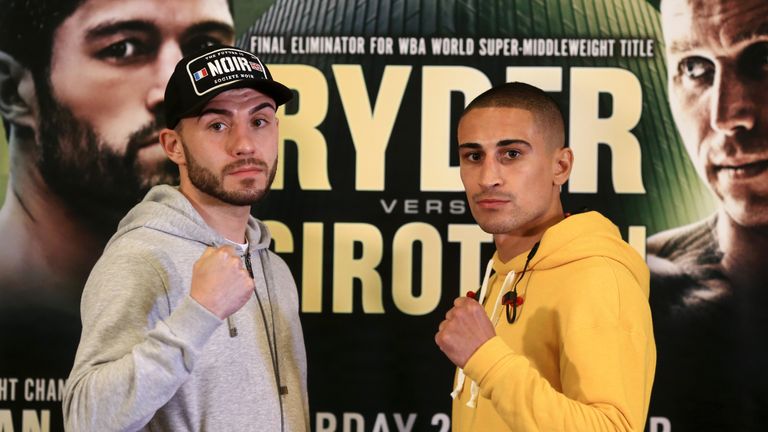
{"type": "Point", "coordinates": [223, 66]}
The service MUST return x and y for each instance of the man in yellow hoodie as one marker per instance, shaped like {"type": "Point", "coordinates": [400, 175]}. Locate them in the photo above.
{"type": "Point", "coordinates": [559, 337]}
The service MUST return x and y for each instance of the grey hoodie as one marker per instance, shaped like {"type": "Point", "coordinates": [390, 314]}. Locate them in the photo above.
{"type": "Point", "coordinates": [152, 358]}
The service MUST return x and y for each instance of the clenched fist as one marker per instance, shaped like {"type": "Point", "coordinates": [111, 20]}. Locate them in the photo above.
{"type": "Point", "coordinates": [465, 328]}
{"type": "Point", "coordinates": [220, 281]}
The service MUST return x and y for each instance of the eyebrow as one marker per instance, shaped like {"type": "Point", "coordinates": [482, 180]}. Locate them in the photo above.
{"type": "Point", "coordinates": [230, 113]}
{"type": "Point", "coordinates": [112, 27]}
{"type": "Point", "coordinates": [762, 30]}
{"type": "Point", "coordinates": [211, 27]}
{"type": "Point", "coordinates": [502, 143]}
{"type": "Point", "coordinates": [690, 45]}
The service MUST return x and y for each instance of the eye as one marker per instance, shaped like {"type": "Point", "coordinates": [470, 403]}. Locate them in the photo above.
{"type": "Point", "coordinates": [472, 156]}
{"type": "Point", "coordinates": [217, 126]}
{"type": "Point", "coordinates": [696, 69]}
{"type": "Point", "coordinates": [123, 50]}
{"type": "Point", "coordinates": [259, 122]}
{"type": "Point", "coordinates": [512, 154]}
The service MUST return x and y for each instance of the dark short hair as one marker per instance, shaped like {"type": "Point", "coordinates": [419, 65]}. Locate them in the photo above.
{"type": "Point", "coordinates": [523, 96]}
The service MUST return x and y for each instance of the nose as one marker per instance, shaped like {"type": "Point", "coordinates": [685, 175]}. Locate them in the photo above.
{"type": "Point", "coordinates": [242, 142]}
{"type": "Point", "coordinates": [167, 57]}
{"type": "Point", "coordinates": [490, 175]}
{"type": "Point", "coordinates": [733, 107]}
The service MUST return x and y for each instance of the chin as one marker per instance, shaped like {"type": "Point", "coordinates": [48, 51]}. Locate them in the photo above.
{"type": "Point", "coordinates": [497, 227]}
{"type": "Point", "coordinates": [747, 215]}
{"type": "Point", "coordinates": [750, 220]}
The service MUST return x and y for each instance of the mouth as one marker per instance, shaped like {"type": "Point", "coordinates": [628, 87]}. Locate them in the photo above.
{"type": "Point", "coordinates": [742, 170]}
{"type": "Point", "coordinates": [490, 203]}
{"type": "Point", "coordinates": [246, 170]}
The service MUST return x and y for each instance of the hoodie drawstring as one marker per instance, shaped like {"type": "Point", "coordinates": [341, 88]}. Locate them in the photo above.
{"type": "Point", "coordinates": [474, 388]}
{"type": "Point", "coordinates": [231, 326]}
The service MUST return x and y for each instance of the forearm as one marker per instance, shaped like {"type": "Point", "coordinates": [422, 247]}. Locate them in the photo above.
{"type": "Point", "coordinates": [123, 392]}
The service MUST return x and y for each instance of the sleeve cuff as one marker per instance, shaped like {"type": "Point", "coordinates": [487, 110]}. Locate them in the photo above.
{"type": "Point", "coordinates": [192, 322]}
{"type": "Point", "coordinates": [485, 358]}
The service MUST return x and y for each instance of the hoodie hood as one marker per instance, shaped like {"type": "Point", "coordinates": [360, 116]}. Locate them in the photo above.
{"type": "Point", "coordinates": [577, 237]}
{"type": "Point", "coordinates": [167, 210]}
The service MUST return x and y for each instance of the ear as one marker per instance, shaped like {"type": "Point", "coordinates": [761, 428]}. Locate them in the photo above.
{"type": "Point", "coordinates": [563, 162]}
{"type": "Point", "coordinates": [18, 97]}
{"type": "Point", "coordinates": [171, 142]}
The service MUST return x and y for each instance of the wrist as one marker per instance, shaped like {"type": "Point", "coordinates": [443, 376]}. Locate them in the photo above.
{"type": "Point", "coordinates": [485, 356]}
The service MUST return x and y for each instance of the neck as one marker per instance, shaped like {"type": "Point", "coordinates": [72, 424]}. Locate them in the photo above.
{"type": "Point", "coordinates": [743, 249]}
{"type": "Point", "coordinates": [46, 244]}
{"type": "Point", "coordinates": [228, 220]}
{"type": "Point", "coordinates": [512, 244]}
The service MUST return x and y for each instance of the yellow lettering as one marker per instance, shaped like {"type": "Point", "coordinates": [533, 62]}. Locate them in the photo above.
{"type": "Point", "coordinates": [431, 268]}
{"type": "Point", "coordinates": [637, 238]}
{"type": "Point", "coordinates": [6, 421]}
{"type": "Point", "coordinates": [312, 268]}
{"type": "Point", "coordinates": [347, 268]}
{"type": "Point", "coordinates": [301, 127]}
{"type": "Point", "coordinates": [370, 128]}
{"type": "Point", "coordinates": [281, 235]}
{"type": "Point", "coordinates": [30, 422]}
{"type": "Point", "coordinates": [587, 130]}
{"type": "Point", "coordinates": [438, 82]}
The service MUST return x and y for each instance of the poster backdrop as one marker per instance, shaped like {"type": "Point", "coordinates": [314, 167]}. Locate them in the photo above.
{"type": "Point", "coordinates": [367, 207]}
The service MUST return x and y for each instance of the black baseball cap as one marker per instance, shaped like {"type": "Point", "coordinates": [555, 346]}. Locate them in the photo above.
{"type": "Point", "coordinates": [201, 76]}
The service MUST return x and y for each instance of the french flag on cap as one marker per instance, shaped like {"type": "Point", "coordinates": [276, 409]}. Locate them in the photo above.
{"type": "Point", "coordinates": [202, 73]}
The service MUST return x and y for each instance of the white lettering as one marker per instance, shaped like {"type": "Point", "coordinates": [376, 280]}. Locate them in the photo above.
{"type": "Point", "coordinates": [659, 424]}
{"type": "Point", "coordinates": [404, 427]}
{"type": "Point", "coordinates": [325, 422]}
{"type": "Point", "coordinates": [214, 68]}
{"type": "Point", "coordinates": [226, 64]}
{"type": "Point", "coordinates": [349, 418]}
{"type": "Point", "coordinates": [8, 389]}
{"type": "Point", "coordinates": [388, 208]}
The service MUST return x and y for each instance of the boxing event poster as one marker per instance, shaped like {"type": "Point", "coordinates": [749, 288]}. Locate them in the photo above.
{"type": "Point", "coordinates": [367, 207]}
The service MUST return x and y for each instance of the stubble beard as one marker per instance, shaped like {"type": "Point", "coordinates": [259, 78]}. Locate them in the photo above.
{"type": "Point", "coordinates": [497, 222]}
{"type": "Point", "coordinates": [96, 181]}
{"type": "Point", "coordinates": [499, 225]}
{"type": "Point", "coordinates": [211, 184]}
{"type": "Point", "coordinates": [507, 221]}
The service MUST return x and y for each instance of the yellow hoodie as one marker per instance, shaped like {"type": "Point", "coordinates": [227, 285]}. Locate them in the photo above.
{"type": "Point", "coordinates": [581, 354]}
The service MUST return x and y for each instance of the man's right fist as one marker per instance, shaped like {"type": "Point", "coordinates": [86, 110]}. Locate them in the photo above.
{"type": "Point", "coordinates": [220, 281]}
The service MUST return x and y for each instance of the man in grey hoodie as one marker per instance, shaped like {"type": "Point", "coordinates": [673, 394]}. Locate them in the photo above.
{"type": "Point", "coordinates": [154, 354]}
